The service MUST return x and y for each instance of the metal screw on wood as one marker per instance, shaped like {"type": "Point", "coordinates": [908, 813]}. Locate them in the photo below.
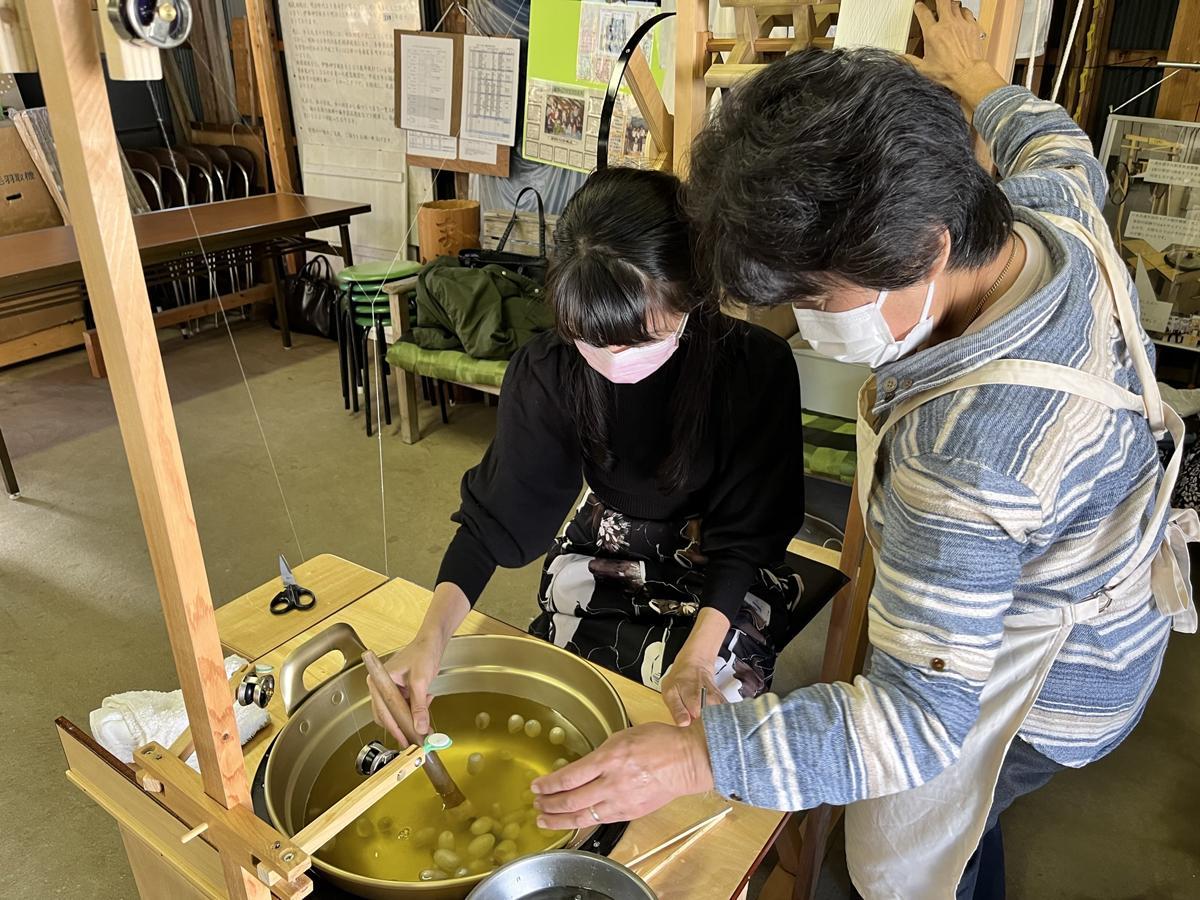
{"type": "Point", "coordinates": [289, 856]}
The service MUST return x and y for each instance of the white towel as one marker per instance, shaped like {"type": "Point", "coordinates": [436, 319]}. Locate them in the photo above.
{"type": "Point", "coordinates": [126, 721]}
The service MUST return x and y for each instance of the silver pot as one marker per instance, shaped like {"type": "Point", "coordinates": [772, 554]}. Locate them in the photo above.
{"type": "Point", "coordinates": [322, 719]}
{"type": "Point", "coordinates": [593, 876]}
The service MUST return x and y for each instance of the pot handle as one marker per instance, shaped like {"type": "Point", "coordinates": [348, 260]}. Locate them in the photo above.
{"type": "Point", "coordinates": [291, 674]}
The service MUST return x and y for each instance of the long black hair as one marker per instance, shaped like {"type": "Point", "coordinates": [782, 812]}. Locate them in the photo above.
{"type": "Point", "coordinates": [623, 257]}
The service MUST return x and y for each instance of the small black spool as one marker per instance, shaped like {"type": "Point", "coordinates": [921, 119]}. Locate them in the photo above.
{"type": "Point", "coordinates": [257, 690]}
{"type": "Point", "coordinates": [373, 757]}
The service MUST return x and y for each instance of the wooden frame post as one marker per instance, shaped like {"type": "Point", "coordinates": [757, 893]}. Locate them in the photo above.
{"type": "Point", "coordinates": [81, 119]}
{"type": "Point", "coordinates": [268, 76]}
{"type": "Point", "coordinates": [691, 94]}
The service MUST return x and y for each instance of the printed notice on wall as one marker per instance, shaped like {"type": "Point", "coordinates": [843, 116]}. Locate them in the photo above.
{"type": "Point", "coordinates": [478, 151]}
{"type": "Point", "coordinates": [604, 30]}
{"type": "Point", "coordinates": [1170, 171]}
{"type": "Point", "coordinates": [1161, 232]}
{"type": "Point", "coordinates": [340, 65]}
{"type": "Point", "coordinates": [562, 125]}
{"type": "Point", "coordinates": [427, 83]}
{"type": "Point", "coordinates": [439, 146]}
{"type": "Point", "coordinates": [491, 68]}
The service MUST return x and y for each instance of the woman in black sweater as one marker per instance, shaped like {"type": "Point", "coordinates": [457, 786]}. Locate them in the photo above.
{"type": "Point", "coordinates": [683, 424]}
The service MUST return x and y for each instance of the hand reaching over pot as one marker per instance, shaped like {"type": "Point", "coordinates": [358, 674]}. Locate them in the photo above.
{"type": "Point", "coordinates": [414, 667]}
{"type": "Point", "coordinates": [633, 773]}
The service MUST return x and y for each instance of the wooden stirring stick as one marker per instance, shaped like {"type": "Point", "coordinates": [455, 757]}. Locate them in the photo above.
{"type": "Point", "coordinates": [398, 707]}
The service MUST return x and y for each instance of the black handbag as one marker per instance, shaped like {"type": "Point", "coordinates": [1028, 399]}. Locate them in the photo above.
{"type": "Point", "coordinates": [532, 267]}
{"type": "Point", "coordinates": [311, 297]}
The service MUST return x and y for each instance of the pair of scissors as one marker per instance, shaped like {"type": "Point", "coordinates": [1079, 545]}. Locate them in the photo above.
{"type": "Point", "coordinates": [292, 596]}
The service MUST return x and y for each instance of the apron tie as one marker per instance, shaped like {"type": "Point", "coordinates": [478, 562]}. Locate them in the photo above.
{"type": "Point", "coordinates": [1169, 572]}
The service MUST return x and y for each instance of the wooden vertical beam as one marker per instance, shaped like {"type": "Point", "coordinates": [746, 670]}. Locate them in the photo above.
{"type": "Point", "coordinates": [1179, 97]}
{"type": "Point", "coordinates": [1001, 19]}
{"type": "Point", "coordinates": [73, 82]}
{"type": "Point", "coordinates": [268, 76]}
{"type": "Point", "coordinates": [691, 95]}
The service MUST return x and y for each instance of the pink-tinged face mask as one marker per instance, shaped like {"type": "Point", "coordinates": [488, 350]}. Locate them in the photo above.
{"type": "Point", "coordinates": [632, 364]}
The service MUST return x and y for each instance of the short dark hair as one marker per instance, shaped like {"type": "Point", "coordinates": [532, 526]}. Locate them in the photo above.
{"type": "Point", "coordinates": [838, 166]}
{"type": "Point", "coordinates": [622, 249]}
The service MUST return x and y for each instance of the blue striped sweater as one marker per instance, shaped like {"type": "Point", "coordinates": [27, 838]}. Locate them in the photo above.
{"type": "Point", "coordinates": [991, 501]}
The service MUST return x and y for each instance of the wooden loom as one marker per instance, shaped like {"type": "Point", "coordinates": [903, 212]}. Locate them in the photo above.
{"type": "Point", "coordinates": [256, 860]}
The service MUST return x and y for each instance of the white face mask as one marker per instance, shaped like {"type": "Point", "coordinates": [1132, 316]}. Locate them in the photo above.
{"type": "Point", "coordinates": [861, 335]}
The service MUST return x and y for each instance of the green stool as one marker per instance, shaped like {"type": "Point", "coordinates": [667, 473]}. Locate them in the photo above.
{"type": "Point", "coordinates": [363, 307]}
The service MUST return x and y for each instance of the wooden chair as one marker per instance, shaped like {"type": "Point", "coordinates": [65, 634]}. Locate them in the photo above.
{"type": "Point", "coordinates": [411, 362]}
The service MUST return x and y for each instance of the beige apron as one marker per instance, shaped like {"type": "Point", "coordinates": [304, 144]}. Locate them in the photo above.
{"type": "Point", "coordinates": [914, 845]}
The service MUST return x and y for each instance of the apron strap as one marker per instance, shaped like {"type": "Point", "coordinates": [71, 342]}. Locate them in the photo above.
{"type": "Point", "coordinates": [1117, 276]}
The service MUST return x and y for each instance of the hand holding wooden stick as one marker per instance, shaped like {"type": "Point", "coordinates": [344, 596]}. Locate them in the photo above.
{"type": "Point", "coordinates": [397, 706]}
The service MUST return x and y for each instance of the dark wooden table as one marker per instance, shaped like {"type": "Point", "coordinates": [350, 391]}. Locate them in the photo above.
{"type": "Point", "coordinates": [36, 260]}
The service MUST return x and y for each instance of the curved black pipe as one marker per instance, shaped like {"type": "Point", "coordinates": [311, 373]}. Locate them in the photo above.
{"type": "Point", "coordinates": [614, 85]}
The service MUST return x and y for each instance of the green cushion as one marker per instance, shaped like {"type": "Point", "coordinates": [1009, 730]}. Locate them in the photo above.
{"type": "Point", "coordinates": [829, 447]}
{"type": "Point", "coordinates": [447, 365]}
{"type": "Point", "coordinates": [368, 322]}
{"type": "Point", "coordinates": [378, 271]}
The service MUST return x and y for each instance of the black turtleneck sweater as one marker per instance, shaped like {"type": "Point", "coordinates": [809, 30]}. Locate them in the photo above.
{"type": "Point", "coordinates": [746, 483]}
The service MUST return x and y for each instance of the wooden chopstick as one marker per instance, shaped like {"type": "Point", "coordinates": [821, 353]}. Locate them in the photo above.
{"type": "Point", "coordinates": [701, 831]}
{"type": "Point", "coordinates": [704, 824]}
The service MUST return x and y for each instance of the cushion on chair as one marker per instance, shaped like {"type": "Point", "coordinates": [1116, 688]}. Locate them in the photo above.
{"type": "Point", "coordinates": [377, 271]}
{"type": "Point", "coordinates": [447, 365]}
{"type": "Point", "coordinates": [829, 447]}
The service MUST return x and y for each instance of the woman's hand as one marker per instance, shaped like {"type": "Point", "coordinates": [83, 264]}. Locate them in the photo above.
{"type": "Point", "coordinates": [693, 667]}
{"type": "Point", "coordinates": [683, 682]}
{"type": "Point", "coordinates": [633, 773]}
{"type": "Point", "coordinates": [413, 668]}
{"type": "Point", "coordinates": [954, 51]}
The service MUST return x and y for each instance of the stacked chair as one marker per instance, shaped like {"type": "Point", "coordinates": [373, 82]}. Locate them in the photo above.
{"type": "Point", "coordinates": [364, 314]}
{"type": "Point", "coordinates": [187, 176]}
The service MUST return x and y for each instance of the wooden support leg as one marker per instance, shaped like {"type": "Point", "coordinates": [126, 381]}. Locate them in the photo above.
{"type": "Point", "coordinates": [410, 410]}
{"type": "Point", "coordinates": [6, 467]}
{"type": "Point", "coordinates": [280, 276]}
{"type": "Point", "coordinates": [347, 250]}
{"type": "Point", "coordinates": [95, 356]}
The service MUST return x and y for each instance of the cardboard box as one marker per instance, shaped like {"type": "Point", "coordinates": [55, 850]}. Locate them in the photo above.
{"type": "Point", "coordinates": [25, 203]}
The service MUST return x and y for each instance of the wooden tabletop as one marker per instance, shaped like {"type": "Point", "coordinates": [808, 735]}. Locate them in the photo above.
{"type": "Point", "coordinates": [33, 260]}
{"type": "Point", "coordinates": [715, 868]}
{"type": "Point", "coordinates": [249, 628]}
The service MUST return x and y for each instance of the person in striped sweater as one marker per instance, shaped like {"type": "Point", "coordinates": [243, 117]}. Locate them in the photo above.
{"type": "Point", "coordinates": [1013, 628]}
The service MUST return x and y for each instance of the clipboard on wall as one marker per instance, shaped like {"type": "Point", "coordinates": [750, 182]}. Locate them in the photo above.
{"type": "Point", "coordinates": [428, 105]}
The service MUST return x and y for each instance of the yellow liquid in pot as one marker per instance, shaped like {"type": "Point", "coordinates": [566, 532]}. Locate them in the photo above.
{"type": "Point", "coordinates": [399, 838]}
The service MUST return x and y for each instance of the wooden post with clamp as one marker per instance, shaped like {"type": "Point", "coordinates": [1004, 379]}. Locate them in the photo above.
{"type": "Point", "coordinates": [255, 859]}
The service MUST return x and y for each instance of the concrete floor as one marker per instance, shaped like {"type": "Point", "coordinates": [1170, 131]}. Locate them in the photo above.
{"type": "Point", "coordinates": [80, 615]}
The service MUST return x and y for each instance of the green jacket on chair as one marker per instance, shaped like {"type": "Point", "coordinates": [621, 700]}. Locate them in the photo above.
{"type": "Point", "coordinates": [487, 313]}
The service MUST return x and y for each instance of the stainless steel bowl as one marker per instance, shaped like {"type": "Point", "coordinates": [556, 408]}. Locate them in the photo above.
{"type": "Point", "coordinates": [323, 718]}
{"type": "Point", "coordinates": [563, 875]}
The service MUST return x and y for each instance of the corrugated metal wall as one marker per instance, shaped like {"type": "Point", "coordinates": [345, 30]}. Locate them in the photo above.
{"type": "Point", "coordinates": [1142, 24]}
{"type": "Point", "coordinates": [1136, 25]}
